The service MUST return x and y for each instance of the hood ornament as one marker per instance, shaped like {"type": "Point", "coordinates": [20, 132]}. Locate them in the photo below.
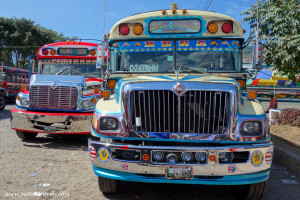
{"type": "Point", "coordinates": [177, 72]}
{"type": "Point", "coordinates": [53, 85]}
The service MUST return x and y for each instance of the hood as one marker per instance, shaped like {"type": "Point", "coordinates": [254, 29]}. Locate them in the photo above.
{"type": "Point", "coordinates": [59, 80]}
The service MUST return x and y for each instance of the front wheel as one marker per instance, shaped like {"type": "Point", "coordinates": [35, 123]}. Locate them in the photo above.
{"type": "Point", "coordinates": [26, 135]}
{"type": "Point", "coordinates": [255, 191]}
{"type": "Point", "coordinates": [2, 102]}
{"type": "Point", "coordinates": [108, 186]}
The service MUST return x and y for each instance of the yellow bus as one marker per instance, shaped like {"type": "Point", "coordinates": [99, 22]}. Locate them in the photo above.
{"type": "Point", "coordinates": [173, 109]}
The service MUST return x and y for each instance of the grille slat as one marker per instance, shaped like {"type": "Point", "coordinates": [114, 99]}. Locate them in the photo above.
{"type": "Point", "coordinates": [162, 111]}
{"type": "Point", "coordinates": [62, 97]}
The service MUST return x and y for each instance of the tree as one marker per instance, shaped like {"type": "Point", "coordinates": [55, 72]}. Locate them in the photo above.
{"type": "Point", "coordinates": [279, 31]}
{"type": "Point", "coordinates": [20, 38]}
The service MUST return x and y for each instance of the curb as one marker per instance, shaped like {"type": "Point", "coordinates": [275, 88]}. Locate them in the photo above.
{"type": "Point", "coordinates": [287, 154]}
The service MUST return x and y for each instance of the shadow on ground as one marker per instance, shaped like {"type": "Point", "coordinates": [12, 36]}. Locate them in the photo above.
{"type": "Point", "coordinates": [150, 191]}
{"type": "Point", "coordinates": [66, 142]}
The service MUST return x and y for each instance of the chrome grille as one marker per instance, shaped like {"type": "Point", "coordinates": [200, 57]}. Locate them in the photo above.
{"type": "Point", "coordinates": [193, 112]}
{"type": "Point", "coordinates": [62, 97]}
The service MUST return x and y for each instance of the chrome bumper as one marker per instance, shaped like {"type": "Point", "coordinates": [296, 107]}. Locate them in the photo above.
{"type": "Point", "coordinates": [114, 169]}
{"type": "Point", "coordinates": [59, 123]}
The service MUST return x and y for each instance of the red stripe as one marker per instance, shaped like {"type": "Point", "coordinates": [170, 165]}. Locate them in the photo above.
{"type": "Point", "coordinates": [50, 133]}
{"type": "Point", "coordinates": [50, 114]}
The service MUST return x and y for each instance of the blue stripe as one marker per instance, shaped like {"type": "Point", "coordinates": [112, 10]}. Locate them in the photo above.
{"type": "Point", "coordinates": [226, 180]}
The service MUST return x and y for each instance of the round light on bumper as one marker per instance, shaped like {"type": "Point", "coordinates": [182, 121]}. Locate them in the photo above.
{"type": "Point", "coordinates": [186, 156]}
{"type": "Point", "coordinates": [86, 103]}
{"type": "Point", "coordinates": [225, 157]}
{"type": "Point", "coordinates": [200, 156]}
{"type": "Point", "coordinates": [158, 156]}
{"type": "Point", "coordinates": [172, 158]}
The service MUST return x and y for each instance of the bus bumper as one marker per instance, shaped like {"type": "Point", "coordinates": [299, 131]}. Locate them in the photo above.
{"type": "Point", "coordinates": [145, 169]}
{"type": "Point", "coordinates": [51, 123]}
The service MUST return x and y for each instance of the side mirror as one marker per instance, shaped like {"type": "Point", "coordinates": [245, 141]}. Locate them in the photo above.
{"type": "Point", "coordinates": [33, 68]}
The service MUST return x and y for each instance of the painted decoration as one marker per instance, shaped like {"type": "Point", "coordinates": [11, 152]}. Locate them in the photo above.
{"type": "Point", "coordinates": [175, 26]}
{"type": "Point", "coordinates": [181, 45]}
{"type": "Point", "coordinates": [104, 155]}
{"type": "Point", "coordinates": [93, 153]}
{"type": "Point", "coordinates": [124, 166]}
{"type": "Point", "coordinates": [68, 61]}
{"type": "Point", "coordinates": [232, 168]}
{"type": "Point", "coordinates": [269, 156]}
{"type": "Point", "coordinates": [257, 158]}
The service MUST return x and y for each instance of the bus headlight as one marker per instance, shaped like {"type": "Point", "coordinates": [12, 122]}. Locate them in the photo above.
{"type": "Point", "coordinates": [24, 101]}
{"type": "Point", "coordinates": [251, 128]}
{"type": "Point", "coordinates": [86, 104]}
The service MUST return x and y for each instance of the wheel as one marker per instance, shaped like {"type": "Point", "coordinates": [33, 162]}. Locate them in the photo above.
{"type": "Point", "coordinates": [107, 185]}
{"type": "Point", "coordinates": [2, 102]}
{"type": "Point", "coordinates": [26, 135]}
{"type": "Point", "coordinates": [255, 191]}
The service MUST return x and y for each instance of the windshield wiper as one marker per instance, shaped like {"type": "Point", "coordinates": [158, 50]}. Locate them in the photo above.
{"type": "Point", "coordinates": [195, 70]}
{"type": "Point", "coordinates": [61, 71]}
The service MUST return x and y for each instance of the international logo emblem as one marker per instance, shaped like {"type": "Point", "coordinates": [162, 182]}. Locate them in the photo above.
{"type": "Point", "coordinates": [53, 85]}
{"type": "Point", "coordinates": [179, 89]}
{"type": "Point", "coordinates": [257, 158]}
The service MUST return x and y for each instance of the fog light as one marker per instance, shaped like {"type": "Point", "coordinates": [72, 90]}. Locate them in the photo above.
{"type": "Point", "coordinates": [158, 156]}
{"type": "Point", "coordinates": [172, 158]}
{"type": "Point", "coordinates": [186, 156]}
{"type": "Point", "coordinates": [200, 156]}
{"type": "Point", "coordinates": [225, 157]}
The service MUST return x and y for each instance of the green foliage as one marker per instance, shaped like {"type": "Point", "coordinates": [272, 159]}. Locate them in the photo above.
{"type": "Point", "coordinates": [279, 22]}
{"type": "Point", "coordinates": [20, 38]}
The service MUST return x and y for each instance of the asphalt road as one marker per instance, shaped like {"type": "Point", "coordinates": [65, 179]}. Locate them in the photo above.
{"type": "Point", "coordinates": [62, 164]}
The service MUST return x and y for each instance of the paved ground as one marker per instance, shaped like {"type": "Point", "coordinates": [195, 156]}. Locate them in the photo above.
{"type": "Point", "coordinates": [61, 165]}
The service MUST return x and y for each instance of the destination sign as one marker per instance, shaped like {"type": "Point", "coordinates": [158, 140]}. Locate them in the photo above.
{"type": "Point", "coordinates": [174, 26]}
{"type": "Point", "coordinates": [73, 51]}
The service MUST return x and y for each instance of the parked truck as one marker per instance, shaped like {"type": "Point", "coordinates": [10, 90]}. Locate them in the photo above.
{"type": "Point", "coordinates": [173, 109]}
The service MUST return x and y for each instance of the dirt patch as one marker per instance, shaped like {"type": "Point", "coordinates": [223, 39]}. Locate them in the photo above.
{"type": "Point", "coordinates": [289, 133]}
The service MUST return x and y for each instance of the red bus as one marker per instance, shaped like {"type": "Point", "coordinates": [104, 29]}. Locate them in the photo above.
{"type": "Point", "coordinates": [12, 79]}
{"type": "Point", "coordinates": [63, 91]}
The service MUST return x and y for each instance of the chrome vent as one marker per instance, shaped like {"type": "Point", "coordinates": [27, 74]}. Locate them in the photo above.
{"type": "Point", "coordinates": [45, 97]}
{"type": "Point", "coordinates": [205, 112]}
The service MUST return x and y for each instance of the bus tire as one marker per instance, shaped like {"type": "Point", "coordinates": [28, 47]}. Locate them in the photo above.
{"type": "Point", "coordinates": [2, 102]}
{"type": "Point", "coordinates": [26, 135]}
{"type": "Point", "coordinates": [108, 186]}
{"type": "Point", "coordinates": [256, 191]}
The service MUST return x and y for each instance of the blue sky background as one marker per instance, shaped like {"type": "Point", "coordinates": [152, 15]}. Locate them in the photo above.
{"type": "Point", "coordinates": [84, 18]}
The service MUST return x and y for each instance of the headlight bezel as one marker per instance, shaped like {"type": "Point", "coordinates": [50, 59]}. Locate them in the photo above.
{"type": "Point", "coordinates": [251, 132]}
{"type": "Point", "coordinates": [104, 127]}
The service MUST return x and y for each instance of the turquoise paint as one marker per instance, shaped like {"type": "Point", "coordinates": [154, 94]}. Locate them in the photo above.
{"type": "Point", "coordinates": [226, 180]}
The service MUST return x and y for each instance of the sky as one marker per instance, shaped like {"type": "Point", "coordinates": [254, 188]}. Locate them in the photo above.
{"type": "Point", "coordinates": [84, 18]}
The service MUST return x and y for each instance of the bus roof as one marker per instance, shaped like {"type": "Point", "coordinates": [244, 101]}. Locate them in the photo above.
{"type": "Point", "coordinates": [16, 70]}
{"type": "Point", "coordinates": [68, 44]}
{"type": "Point", "coordinates": [159, 24]}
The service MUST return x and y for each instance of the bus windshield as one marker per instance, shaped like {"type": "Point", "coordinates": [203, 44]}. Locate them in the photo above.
{"type": "Point", "coordinates": [192, 55]}
{"type": "Point", "coordinates": [84, 67]}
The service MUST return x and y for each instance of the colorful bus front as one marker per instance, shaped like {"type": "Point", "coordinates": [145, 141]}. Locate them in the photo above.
{"type": "Point", "coordinates": [62, 94]}
{"type": "Point", "coordinates": [175, 112]}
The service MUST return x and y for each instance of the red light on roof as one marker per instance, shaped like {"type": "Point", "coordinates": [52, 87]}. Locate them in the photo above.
{"type": "Point", "coordinates": [124, 29]}
{"type": "Point", "coordinates": [227, 27]}
{"type": "Point", "coordinates": [45, 51]}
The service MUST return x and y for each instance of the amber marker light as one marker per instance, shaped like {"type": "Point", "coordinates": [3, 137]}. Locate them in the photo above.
{"type": "Point", "coordinates": [105, 94]}
{"type": "Point", "coordinates": [96, 90]}
{"type": "Point", "coordinates": [19, 98]}
{"type": "Point", "coordinates": [251, 94]}
{"type": "Point", "coordinates": [212, 158]}
{"type": "Point", "coordinates": [163, 12]}
{"type": "Point", "coordinates": [184, 11]}
{"type": "Point", "coordinates": [173, 11]}
{"type": "Point", "coordinates": [94, 100]}
{"type": "Point", "coordinates": [23, 88]}
{"type": "Point", "coordinates": [112, 83]}
{"type": "Point", "coordinates": [212, 27]}
{"type": "Point", "coordinates": [52, 52]}
{"type": "Point", "coordinates": [138, 29]}
{"type": "Point", "coordinates": [108, 34]}
{"type": "Point", "coordinates": [93, 53]}
{"type": "Point", "coordinates": [242, 83]}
